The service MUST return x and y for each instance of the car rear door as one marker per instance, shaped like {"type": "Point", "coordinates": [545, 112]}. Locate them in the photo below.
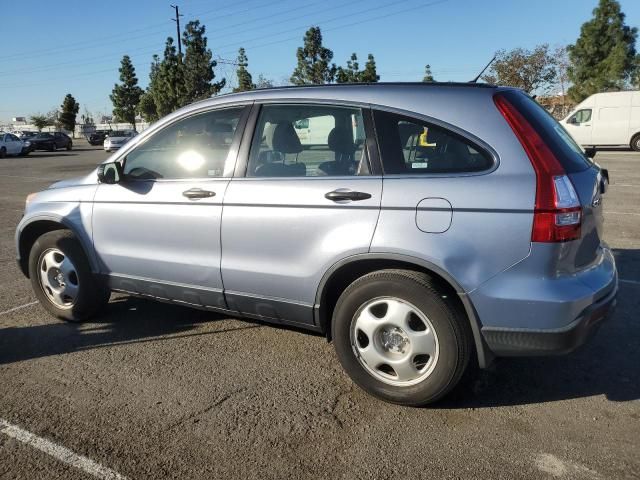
{"type": "Point", "coordinates": [157, 231]}
{"type": "Point", "coordinates": [296, 206]}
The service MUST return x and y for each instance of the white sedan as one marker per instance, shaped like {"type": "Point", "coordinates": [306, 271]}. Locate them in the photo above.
{"type": "Point", "coordinates": [12, 145]}
{"type": "Point", "coordinates": [117, 139]}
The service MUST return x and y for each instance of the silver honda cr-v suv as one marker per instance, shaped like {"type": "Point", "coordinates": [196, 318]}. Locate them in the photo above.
{"type": "Point", "coordinates": [421, 227]}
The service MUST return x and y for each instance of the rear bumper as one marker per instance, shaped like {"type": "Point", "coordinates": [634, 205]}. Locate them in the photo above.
{"type": "Point", "coordinates": [530, 342]}
{"type": "Point", "coordinates": [531, 309]}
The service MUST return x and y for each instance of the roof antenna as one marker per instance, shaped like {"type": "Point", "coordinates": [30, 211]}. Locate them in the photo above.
{"type": "Point", "coordinates": [475, 80]}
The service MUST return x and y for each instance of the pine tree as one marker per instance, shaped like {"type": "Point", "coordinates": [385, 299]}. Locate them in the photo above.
{"type": "Point", "coordinates": [313, 61]}
{"type": "Point", "coordinates": [198, 65]}
{"type": "Point", "coordinates": [604, 56]}
{"type": "Point", "coordinates": [369, 74]}
{"type": "Point", "coordinates": [126, 96]}
{"type": "Point", "coordinates": [428, 76]}
{"type": "Point", "coordinates": [147, 107]}
{"type": "Point", "coordinates": [169, 92]}
{"type": "Point", "coordinates": [69, 111]}
{"type": "Point", "coordinates": [351, 73]}
{"type": "Point", "coordinates": [245, 82]}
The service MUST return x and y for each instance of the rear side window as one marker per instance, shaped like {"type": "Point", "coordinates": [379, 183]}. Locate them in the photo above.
{"type": "Point", "coordinates": [565, 149]}
{"type": "Point", "coordinates": [411, 146]}
{"type": "Point", "coordinates": [308, 141]}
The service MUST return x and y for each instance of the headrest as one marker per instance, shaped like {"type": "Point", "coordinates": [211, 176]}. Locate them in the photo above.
{"type": "Point", "coordinates": [341, 141]}
{"type": "Point", "coordinates": [285, 139]}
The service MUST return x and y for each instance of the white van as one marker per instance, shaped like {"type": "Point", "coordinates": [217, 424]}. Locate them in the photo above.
{"type": "Point", "coordinates": [606, 119]}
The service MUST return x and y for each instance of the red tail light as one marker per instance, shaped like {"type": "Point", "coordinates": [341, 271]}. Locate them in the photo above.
{"type": "Point", "coordinates": [557, 214]}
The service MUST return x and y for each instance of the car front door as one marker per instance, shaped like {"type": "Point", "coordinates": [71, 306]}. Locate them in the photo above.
{"type": "Point", "coordinates": [14, 144]}
{"type": "Point", "coordinates": [297, 205]}
{"type": "Point", "coordinates": [157, 231]}
{"type": "Point", "coordinates": [579, 126]}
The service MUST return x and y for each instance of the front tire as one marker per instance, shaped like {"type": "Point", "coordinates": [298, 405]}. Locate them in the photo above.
{"type": "Point", "coordinates": [62, 279]}
{"type": "Point", "coordinates": [3, 152]}
{"type": "Point", "coordinates": [635, 142]}
{"type": "Point", "coordinates": [69, 146]}
{"type": "Point", "coordinates": [400, 337]}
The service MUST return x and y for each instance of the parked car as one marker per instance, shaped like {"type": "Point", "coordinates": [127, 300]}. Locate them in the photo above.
{"type": "Point", "coordinates": [606, 119]}
{"type": "Point", "coordinates": [117, 139]}
{"type": "Point", "coordinates": [12, 145]}
{"type": "Point", "coordinates": [485, 241]}
{"type": "Point", "coordinates": [97, 137]}
{"type": "Point", "coordinates": [51, 141]}
{"type": "Point", "coordinates": [24, 136]}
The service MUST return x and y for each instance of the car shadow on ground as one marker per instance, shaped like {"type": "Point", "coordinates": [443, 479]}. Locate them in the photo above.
{"type": "Point", "coordinates": [126, 320]}
{"type": "Point", "coordinates": [608, 364]}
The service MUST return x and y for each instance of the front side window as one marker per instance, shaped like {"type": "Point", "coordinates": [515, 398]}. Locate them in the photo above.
{"type": "Point", "coordinates": [411, 146]}
{"type": "Point", "coordinates": [308, 141]}
{"type": "Point", "coordinates": [582, 116]}
{"type": "Point", "coordinates": [193, 147]}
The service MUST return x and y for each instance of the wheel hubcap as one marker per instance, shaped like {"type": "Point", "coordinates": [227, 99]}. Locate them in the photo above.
{"type": "Point", "coordinates": [394, 341]}
{"type": "Point", "coordinates": [58, 278]}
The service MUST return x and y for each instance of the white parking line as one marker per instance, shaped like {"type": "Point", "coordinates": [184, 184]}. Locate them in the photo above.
{"type": "Point", "coordinates": [59, 452]}
{"type": "Point", "coordinates": [632, 282]}
{"type": "Point", "coordinates": [609, 212]}
{"type": "Point", "coordinates": [19, 307]}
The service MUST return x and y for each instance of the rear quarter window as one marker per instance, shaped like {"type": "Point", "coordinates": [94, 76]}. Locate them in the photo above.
{"type": "Point", "coordinates": [568, 153]}
{"type": "Point", "coordinates": [412, 146]}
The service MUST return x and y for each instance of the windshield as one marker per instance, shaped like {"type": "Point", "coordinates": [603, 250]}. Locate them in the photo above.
{"type": "Point", "coordinates": [119, 133]}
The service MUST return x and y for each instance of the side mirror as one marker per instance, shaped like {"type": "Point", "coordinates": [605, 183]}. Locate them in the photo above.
{"type": "Point", "coordinates": [110, 173]}
{"type": "Point", "coordinates": [573, 121]}
{"type": "Point", "coordinates": [590, 152]}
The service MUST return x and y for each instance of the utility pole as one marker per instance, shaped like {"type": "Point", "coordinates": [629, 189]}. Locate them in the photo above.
{"type": "Point", "coordinates": [177, 20]}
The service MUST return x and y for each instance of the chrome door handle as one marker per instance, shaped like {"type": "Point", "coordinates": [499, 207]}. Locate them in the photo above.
{"type": "Point", "coordinates": [196, 193]}
{"type": "Point", "coordinates": [343, 194]}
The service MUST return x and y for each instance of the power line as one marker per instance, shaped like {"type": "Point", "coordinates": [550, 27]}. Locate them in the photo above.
{"type": "Point", "coordinates": [263, 44]}
{"type": "Point", "coordinates": [153, 47]}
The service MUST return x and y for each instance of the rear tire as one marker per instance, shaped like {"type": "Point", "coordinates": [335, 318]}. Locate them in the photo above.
{"type": "Point", "coordinates": [69, 146]}
{"type": "Point", "coordinates": [62, 279]}
{"type": "Point", "coordinates": [413, 351]}
{"type": "Point", "coordinates": [635, 142]}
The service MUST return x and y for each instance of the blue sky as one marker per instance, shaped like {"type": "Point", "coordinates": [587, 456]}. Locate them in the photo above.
{"type": "Point", "coordinates": [76, 46]}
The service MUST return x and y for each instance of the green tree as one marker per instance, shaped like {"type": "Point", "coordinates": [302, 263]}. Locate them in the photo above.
{"type": "Point", "coordinates": [126, 96]}
{"type": "Point", "coordinates": [351, 73]}
{"type": "Point", "coordinates": [531, 70]}
{"type": "Point", "coordinates": [428, 76]}
{"type": "Point", "coordinates": [169, 93]}
{"type": "Point", "coordinates": [370, 74]}
{"type": "Point", "coordinates": [69, 111]}
{"type": "Point", "coordinates": [604, 56]}
{"type": "Point", "coordinates": [264, 82]}
{"type": "Point", "coordinates": [198, 65]}
{"type": "Point", "coordinates": [40, 121]}
{"type": "Point", "coordinates": [313, 61]}
{"type": "Point", "coordinates": [245, 82]}
{"type": "Point", "coordinates": [147, 106]}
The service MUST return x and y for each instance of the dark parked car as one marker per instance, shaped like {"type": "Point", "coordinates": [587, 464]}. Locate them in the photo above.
{"type": "Point", "coordinates": [27, 136]}
{"type": "Point", "coordinates": [97, 137]}
{"type": "Point", "coordinates": [51, 141]}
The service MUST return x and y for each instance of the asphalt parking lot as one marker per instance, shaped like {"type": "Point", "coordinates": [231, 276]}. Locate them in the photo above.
{"type": "Point", "coordinates": [157, 391]}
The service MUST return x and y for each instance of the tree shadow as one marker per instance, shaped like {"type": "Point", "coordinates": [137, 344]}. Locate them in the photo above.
{"type": "Point", "coordinates": [126, 320]}
{"type": "Point", "coordinates": [608, 364]}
